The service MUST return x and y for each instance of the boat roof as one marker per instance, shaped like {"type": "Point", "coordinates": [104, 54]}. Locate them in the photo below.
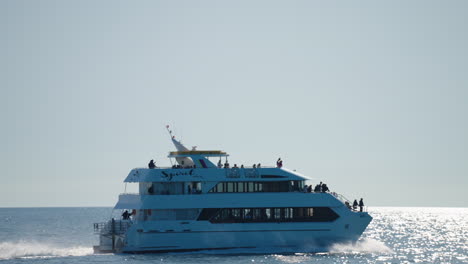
{"type": "Point", "coordinates": [195, 165]}
{"type": "Point", "coordinates": [205, 153]}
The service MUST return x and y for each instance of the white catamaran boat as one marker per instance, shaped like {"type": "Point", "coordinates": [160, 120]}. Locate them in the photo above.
{"type": "Point", "coordinates": [198, 205]}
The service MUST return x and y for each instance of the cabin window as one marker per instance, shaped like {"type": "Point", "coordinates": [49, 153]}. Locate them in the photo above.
{"type": "Point", "coordinates": [172, 214]}
{"type": "Point", "coordinates": [230, 187]}
{"type": "Point", "coordinates": [255, 215]}
{"type": "Point", "coordinates": [275, 186]}
{"type": "Point", "coordinates": [163, 188]}
{"type": "Point", "coordinates": [240, 187]}
{"type": "Point", "coordinates": [250, 187]}
{"type": "Point", "coordinates": [193, 187]}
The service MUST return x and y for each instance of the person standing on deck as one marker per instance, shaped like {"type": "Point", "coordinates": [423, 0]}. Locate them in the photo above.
{"type": "Point", "coordinates": [361, 205]}
{"type": "Point", "coordinates": [355, 205]}
{"type": "Point", "coordinates": [279, 163]}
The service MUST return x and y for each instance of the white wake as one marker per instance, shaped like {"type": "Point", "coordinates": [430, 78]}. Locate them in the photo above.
{"type": "Point", "coordinates": [367, 245]}
{"type": "Point", "coordinates": [11, 250]}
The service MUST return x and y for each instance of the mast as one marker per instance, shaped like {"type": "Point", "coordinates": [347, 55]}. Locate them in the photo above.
{"type": "Point", "coordinates": [194, 157]}
{"type": "Point", "coordinates": [183, 161]}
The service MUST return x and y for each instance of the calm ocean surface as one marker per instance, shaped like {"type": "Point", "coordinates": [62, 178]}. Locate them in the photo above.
{"type": "Point", "coordinates": [396, 235]}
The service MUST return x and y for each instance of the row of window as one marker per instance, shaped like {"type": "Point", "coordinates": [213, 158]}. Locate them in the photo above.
{"type": "Point", "coordinates": [277, 186]}
{"type": "Point", "coordinates": [252, 215]}
{"type": "Point", "coordinates": [166, 214]}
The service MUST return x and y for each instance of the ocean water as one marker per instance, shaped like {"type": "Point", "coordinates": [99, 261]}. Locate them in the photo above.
{"type": "Point", "coordinates": [396, 235]}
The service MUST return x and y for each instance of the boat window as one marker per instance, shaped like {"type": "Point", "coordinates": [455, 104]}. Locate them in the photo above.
{"type": "Point", "coordinates": [174, 188]}
{"type": "Point", "coordinates": [193, 188]}
{"type": "Point", "coordinates": [172, 214]}
{"type": "Point", "coordinates": [240, 187]}
{"type": "Point", "coordinates": [250, 186]}
{"type": "Point", "coordinates": [268, 213]}
{"type": "Point", "coordinates": [277, 213]}
{"type": "Point", "coordinates": [283, 214]}
{"type": "Point", "coordinates": [276, 186]}
{"type": "Point", "coordinates": [163, 188]}
{"type": "Point", "coordinates": [230, 187]}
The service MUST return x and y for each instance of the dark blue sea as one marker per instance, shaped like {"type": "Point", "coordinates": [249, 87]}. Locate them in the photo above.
{"type": "Point", "coordinates": [396, 235]}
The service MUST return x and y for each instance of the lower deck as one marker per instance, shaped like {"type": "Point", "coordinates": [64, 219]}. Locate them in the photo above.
{"type": "Point", "coordinates": [166, 236]}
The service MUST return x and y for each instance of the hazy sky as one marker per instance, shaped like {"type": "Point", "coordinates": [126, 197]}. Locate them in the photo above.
{"type": "Point", "coordinates": [370, 97]}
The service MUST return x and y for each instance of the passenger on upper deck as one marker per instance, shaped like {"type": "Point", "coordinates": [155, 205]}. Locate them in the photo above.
{"type": "Point", "coordinates": [235, 166]}
{"type": "Point", "coordinates": [226, 164]}
{"type": "Point", "coordinates": [355, 205]}
{"type": "Point", "coordinates": [220, 165]}
{"type": "Point", "coordinates": [151, 164]}
{"type": "Point", "coordinates": [259, 165]}
{"type": "Point", "coordinates": [254, 166]}
{"type": "Point", "coordinates": [279, 163]}
{"type": "Point", "coordinates": [318, 187]}
{"type": "Point", "coordinates": [325, 188]}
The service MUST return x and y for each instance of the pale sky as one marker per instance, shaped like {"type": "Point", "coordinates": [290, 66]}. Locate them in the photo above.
{"type": "Point", "coordinates": [370, 97]}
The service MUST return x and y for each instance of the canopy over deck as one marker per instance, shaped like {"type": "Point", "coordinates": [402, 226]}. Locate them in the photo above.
{"type": "Point", "coordinates": [204, 153]}
{"type": "Point", "coordinates": [194, 157]}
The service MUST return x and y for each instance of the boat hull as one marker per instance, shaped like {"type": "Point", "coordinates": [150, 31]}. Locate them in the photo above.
{"type": "Point", "coordinates": [271, 237]}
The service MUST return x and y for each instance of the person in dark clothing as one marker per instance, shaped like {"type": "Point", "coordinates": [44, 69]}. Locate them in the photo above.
{"type": "Point", "coordinates": [125, 215]}
{"type": "Point", "coordinates": [279, 163]}
{"type": "Point", "coordinates": [317, 188]}
{"type": "Point", "coordinates": [151, 164]}
{"type": "Point", "coordinates": [325, 188]}
{"type": "Point", "coordinates": [361, 205]}
{"type": "Point", "coordinates": [309, 189]}
{"type": "Point", "coordinates": [355, 205]}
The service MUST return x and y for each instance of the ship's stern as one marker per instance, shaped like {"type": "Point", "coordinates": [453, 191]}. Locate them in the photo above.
{"type": "Point", "coordinates": [111, 235]}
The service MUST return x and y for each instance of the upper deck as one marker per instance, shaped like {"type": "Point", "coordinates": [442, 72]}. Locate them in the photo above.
{"type": "Point", "coordinates": [195, 165]}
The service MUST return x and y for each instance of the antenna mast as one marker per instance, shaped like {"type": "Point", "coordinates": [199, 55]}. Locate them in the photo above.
{"type": "Point", "coordinates": [170, 132]}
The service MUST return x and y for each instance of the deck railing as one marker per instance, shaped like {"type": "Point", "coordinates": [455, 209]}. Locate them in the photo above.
{"type": "Point", "coordinates": [341, 197]}
{"type": "Point", "coordinates": [345, 200]}
{"type": "Point", "coordinates": [115, 227]}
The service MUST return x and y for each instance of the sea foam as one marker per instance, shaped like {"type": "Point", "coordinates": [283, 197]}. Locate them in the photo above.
{"type": "Point", "coordinates": [367, 245]}
{"type": "Point", "coordinates": [21, 249]}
